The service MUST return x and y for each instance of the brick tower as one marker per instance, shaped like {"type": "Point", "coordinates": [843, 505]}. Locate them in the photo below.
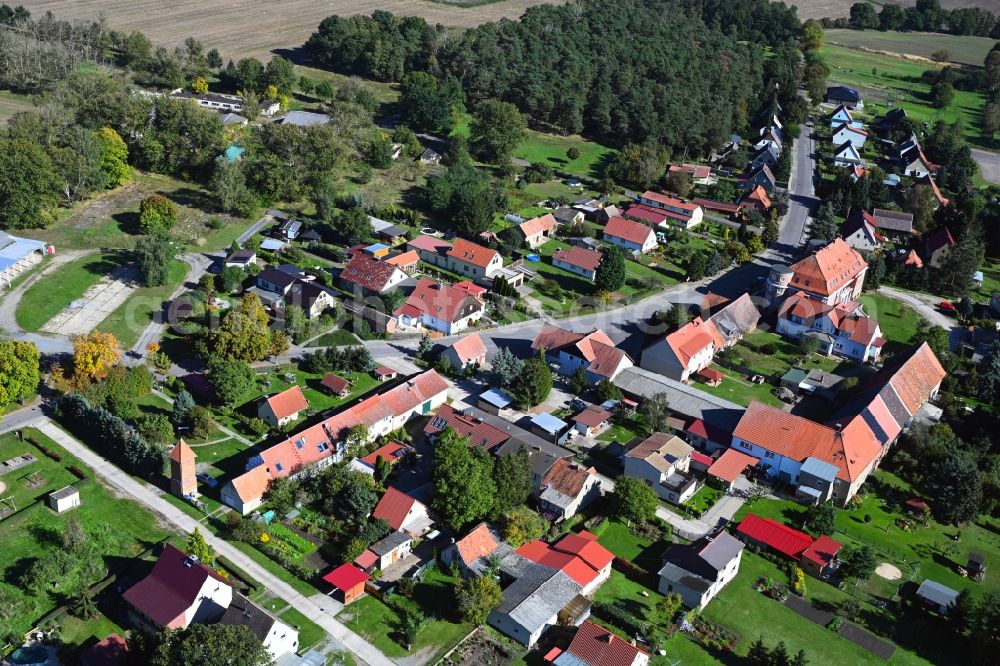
{"type": "Point", "coordinates": [182, 470]}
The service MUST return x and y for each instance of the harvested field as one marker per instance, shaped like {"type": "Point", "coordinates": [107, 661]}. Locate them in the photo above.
{"type": "Point", "coordinates": [841, 8]}
{"type": "Point", "coordinates": [963, 50]}
{"type": "Point", "coordinates": [241, 28]}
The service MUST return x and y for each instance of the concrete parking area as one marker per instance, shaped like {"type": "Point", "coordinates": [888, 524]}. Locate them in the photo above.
{"type": "Point", "coordinates": [85, 313]}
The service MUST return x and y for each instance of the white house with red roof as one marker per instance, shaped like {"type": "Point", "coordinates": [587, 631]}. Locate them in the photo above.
{"type": "Point", "coordinates": [842, 329]}
{"type": "Point", "coordinates": [579, 556]}
{"type": "Point", "coordinates": [593, 645]}
{"type": "Point", "coordinates": [580, 260]}
{"type": "Point", "coordinates": [593, 351]}
{"type": "Point", "coordinates": [371, 276]}
{"type": "Point", "coordinates": [282, 408]}
{"type": "Point", "coordinates": [448, 309]}
{"type": "Point", "coordinates": [699, 173]}
{"type": "Point", "coordinates": [466, 352]}
{"type": "Point", "coordinates": [663, 461]}
{"type": "Point", "coordinates": [403, 512]}
{"type": "Point", "coordinates": [473, 261]}
{"type": "Point", "coordinates": [683, 353]}
{"type": "Point", "coordinates": [846, 133]}
{"type": "Point", "coordinates": [831, 275]}
{"type": "Point", "coordinates": [178, 592]}
{"type": "Point", "coordinates": [683, 213]}
{"type": "Point", "coordinates": [629, 235]}
{"type": "Point", "coordinates": [323, 444]}
{"type": "Point", "coordinates": [538, 230]}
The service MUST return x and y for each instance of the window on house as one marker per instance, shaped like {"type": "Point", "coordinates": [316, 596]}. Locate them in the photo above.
{"type": "Point", "coordinates": [279, 467]}
{"type": "Point", "coordinates": [300, 443]}
{"type": "Point", "coordinates": [768, 454]}
{"type": "Point", "coordinates": [745, 445]}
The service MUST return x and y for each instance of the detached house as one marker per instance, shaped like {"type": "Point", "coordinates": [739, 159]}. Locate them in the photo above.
{"type": "Point", "coordinates": [681, 354]}
{"type": "Point", "coordinates": [282, 408]}
{"type": "Point", "coordinates": [431, 250]}
{"type": "Point", "coordinates": [757, 199]}
{"type": "Point", "coordinates": [593, 351]}
{"type": "Point", "coordinates": [278, 638]}
{"type": "Point", "coordinates": [764, 156]}
{"type": "Point", "coordinates": [699, 571]}
{"type": "Point", "coordinates": [578, 555]}
{"type": "Point", "coordinates": [537, 231]}
{"type": "Point", "coordinates": [480, 433]}
{"type": "Point", "coordinates": [370, 276]}
{"type": "Point", "coordinates": [680, 213]}
{"type": "Point", "coordinates": [593, 645]}
{"type": "Point", "coordinates": [634, 237]}
{"type": "Point", "coordinates": [178, 592]}
{"type": "Point", "coordinates": [403, 513]}
{"type": "Point", "coordinates": [568, 487]}
{"type": "Point", "coordinates": [845, 96]}
{"type": "Point", "coordinates": [842, 329]}
{"type": "Point", "coordinates": [577, 260]}
{"type": "Point", "coordinates": [893, 224]}
{"type": "Point", "coordinates": [663, 461]}
{"type": "Point", "coordinates": [937, 245]}
{"type": "Point", "coordinates": [467, 352]}
{"type": "Point", "coordinates": [831, 275]}
{"type": "Point", "coordinates": [473, 261]}
{"type": "Point", "coordinates": [841, 116]}
{"type": "Point", "coordinates": [700, 175]}
{"type": "Point", "coordinates": [859, 231]}
{"type": "Point", "coordinates": [849, 134]}
{"type": "Point", "coordinates": [846, 154]}
{"type": "Point", "coordinates": [474, 551]}
{"type": "Point", "coordinates": [758, 177]}
{"type": "Point", "coordinates": [440, 307]}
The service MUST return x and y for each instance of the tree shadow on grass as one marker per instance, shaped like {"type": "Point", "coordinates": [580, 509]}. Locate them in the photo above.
{"type": "Point", "coordinates": [128, 222]}
{"type": "Point", "coordinates": [600, 166]}
{"type": "Point", "coordinates": [193, 198]}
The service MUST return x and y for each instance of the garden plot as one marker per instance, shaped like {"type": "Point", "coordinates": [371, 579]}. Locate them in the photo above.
{"type": "Point", "coordinates": [84, 314]}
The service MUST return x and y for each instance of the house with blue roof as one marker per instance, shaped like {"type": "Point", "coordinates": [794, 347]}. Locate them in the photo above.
{"type": "Point", "coordinates": [551, 428]}
{"type": "Point", "coordinates": [17, 255]}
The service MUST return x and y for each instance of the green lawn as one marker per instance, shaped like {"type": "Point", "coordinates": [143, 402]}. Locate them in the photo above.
{"type": "Point", "coordinates": [897, 79]}
{"type": "Point", "coordinates": [551, 149]}
{"type": "Point", "coordinates": [964, 49]}
{"type": "Point", "coordinates": [753, 352]}
{"type": "Point", "coordinates": [617, 433]}
{"type": "Point", "coordinates": [991, 281]}
{"type": "Point", "coordinates": [434, 596]}
{"type": "Point", "coordinates": [117, 530]}
{"type": "Point", "coordinates": [51, 294]}
{"type": "Point", "coordinates": [310, 633]}
{"type": "Point", "coordinates": [11, 103]}
{"type": "Point", "coordinates": [751, 615]}
{"type": "Point", "coordinates": [898, 321]}
{"type": "Point", "coordinates": [737, 389]}
{"type": "Point", "coordinates": [618, 588]}
{"type": "Point", "coordinates": [616, 537]}
{"type": "Point", "coordinates": [337, 338]}
{"type": "Point", "coordinates": [704, 499]}
{"type": "Point", "coordinates": [131, 318]}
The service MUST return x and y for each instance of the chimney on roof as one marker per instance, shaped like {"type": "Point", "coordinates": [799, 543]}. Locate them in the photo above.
{"type": "Point", "coordinates": [838, 426]}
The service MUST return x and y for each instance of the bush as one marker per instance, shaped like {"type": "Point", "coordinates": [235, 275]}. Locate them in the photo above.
{"type": "Point", "coordinates": [868, 518]}
{"type": "Point", "coordinates": [41, 447]}
{"type": "Point", "coordinates": [835, 624]}
{"type": "Point", "coordinates": [621, 618]}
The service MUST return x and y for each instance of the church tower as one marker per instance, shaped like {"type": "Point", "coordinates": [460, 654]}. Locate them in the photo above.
{"type": "Point", "coordinates": [183, 482]}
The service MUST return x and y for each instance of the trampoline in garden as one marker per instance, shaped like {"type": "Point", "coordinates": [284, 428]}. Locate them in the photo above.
{"type": "Point", "coordinates": [533, 257]}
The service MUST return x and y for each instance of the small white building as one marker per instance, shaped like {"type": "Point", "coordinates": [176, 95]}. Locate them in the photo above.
{"type": "Point", "coordinates": [64, 499]}
{"type": "Point", "coordinates": [848, 133]}
{"type": "Point", "coordinates": [699, 571]}
{"type": "Point", "coordinates": [282, 408]}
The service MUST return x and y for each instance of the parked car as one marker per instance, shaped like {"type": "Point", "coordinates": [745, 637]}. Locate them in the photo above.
{"type": "Point", "coordinates": [947, 307]}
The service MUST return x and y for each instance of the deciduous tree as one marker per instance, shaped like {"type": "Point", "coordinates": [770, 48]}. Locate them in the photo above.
{"type": "Point", "coordinates": [243, 334]}
{"type": "Point", "coordinates": [233, 380]}
{"type": "Point", "coordinates": [477, 597]}
{"type": "Point", "coordinates": [497, 129]}
{"type": "Point", "coordinates": [157, 214]}
{"type": "Point", "coordinates": [19, 374]}
{"type": "Point", "coordinates": [463, 480]}
{"type": "Point", "coordinates": [523, 525]}
{"type": "Point", "coordinates": [94, 354]}
{"type": "Point", "coordinates": [633, 499]}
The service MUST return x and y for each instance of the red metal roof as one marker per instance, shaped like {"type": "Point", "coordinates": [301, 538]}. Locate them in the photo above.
{"type": "Point", "coordinates": [822, 551]}
{"type": "Point", "coordinates": [171, 588]}
{"type": "Point", "coordinates": [346, 577]}
{"type": "Point", "coordinates": [701, 458]}
{"type": "Point", "coordinates": [774, 535]}
{"type": "Point", "coordinates": [627, 230]}
{"type": "Point", "coordinates": [366, 559]}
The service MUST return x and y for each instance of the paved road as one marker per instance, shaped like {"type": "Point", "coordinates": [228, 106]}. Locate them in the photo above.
{"type": "Point", "coordinates": [317, 608]}
{"type": "Point", "coordinates": [989, 164]}
{"type": "Point", "coordinates": [257, 226]}
{"type": "Point", "coordinates": [801, 193]}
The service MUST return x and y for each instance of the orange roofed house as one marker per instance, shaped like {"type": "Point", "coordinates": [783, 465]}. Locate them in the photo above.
{"type": "Point", "coordinates": [448, 309]}
{"type": "Point", "coordinates": [467, 352]}
{"type": "Point", "coordinates": [593, 645]}
{"type": "Point", "coordinates": [282, 408]}
{"type": "Point", "coordinates": [834, 274]}
{"type": "Point", "coordinates": [322, 444]}
{"type": "Point", "coordinates": [473, 261]}
{"type": "Point", "coordinates": [593, 351]}
{"type": "Point", "coordinates": [579, 556]}
{"type": "Point", "coordinates": [538, 230]}
{"type": "Point", "coordinates": [830, 461]}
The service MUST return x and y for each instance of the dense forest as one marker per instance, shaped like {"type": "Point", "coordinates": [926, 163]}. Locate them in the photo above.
{"type": "Point", "coordinates": [681, 73]}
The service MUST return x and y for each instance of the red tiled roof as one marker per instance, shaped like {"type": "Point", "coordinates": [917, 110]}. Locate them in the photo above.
{"type": "Point", "coordinates": [596, 646]}
{"type": "Point", "coordinates": [470, 253]}
{"type": "Point", "coordinates": [627, 230]}
{"type": "Point", "coordinates": [720, 206]}
{"type": "Point", "coordinates": [366, 559]}
{"type": "Point", "coordinates": [917, 378]}
{"type": "Point", "coordinates": [477, 543]}
{"type": "Point", "coordinates": [438, 300]}
{"type": "Point", "coordinates": [390, 452]}
{"type": "Point", "coordinates": [666, 200]}
{"type": "Point", "coordinates": [470, 288]}
{"type": "Point", "coordinates": [580, 257]}
{"type": "Point", "coordinates": [822, 551]}
{"type": "Point", "coordinates": [701, 458]}
{"type": "Point", "coordinates": [850, 128]}
{"type": "Point", "coordinates": [688, 340]}
{"type": "Point", "coordinates": [552, 338]}
{"type": "Point", "coordinates": [170, 588]}
{"type": "Point", "coordinates": [288, 402]}
{"type": "Point", "coordinates": [369, 273]}
{"type": "Point", "coordinates": [108, 652]}
{"type": "Point", "coordinates": [696, 170]}
{"type": "Point", "coordinates": [731, 464]}
{"type": "Point", "coordinates": [335, 383]}
{"type": "Point", "coordinates": [776, 536]}
{"type": "Point", "coordinates": [711, 374]}
{"type": "Point", "coordinates": [655, 216]}
{"type": "Point", "coordinates": [537, 225]}
{"type": "Point", "coordinates": [479, 432]}
{"type": "Point", "coordinates": [592, 416]}
{"type": "Point", "coordinates": [913, 259]}
{"type": "Point", "coordinates": [346, 577]}
{"type": "Point", "coordinates": [393, 507]}
{"type": "Point", "coordinates": [182, 452]}
{"type": "Point", "coordinates": [567, 477]}
{"type": "Point", "coordinates": [470, 348]}
{"type": "Point", "coordinates": [251, 484]}
{"type": "Point", "coordinates": [758, 194]}
{"type": "Point", "coordinates": [585, 546]}
{"type": "Point", "coordinates": [404, 259]}
{"type": "Point", "coordinates": [578, 556]}
{"type": "Point", "coordinates": [828, 269]}
{"type": "Point", "coordinates": [383, 371]}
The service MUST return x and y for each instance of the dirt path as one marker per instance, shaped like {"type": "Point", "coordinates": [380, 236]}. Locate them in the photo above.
{"type": "Point", "coordinates": [47, 344]}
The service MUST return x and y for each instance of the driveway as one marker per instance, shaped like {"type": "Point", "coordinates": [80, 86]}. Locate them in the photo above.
{"type": "Point", "coordinates": [989, 164]}
{"type": "Point", "coordinates": [926, 306]}
{"type": "Point", "coordinates": [318, 608]}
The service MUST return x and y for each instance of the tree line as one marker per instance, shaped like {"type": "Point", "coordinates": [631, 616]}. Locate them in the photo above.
{"type": "Point", "coordinates": [924, 16]}
{"type": "Point", "coordinates": [631, 71]}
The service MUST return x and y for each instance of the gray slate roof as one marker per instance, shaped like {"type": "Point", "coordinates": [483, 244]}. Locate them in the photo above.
{"type": "Point", "coordinates": [683, 399]}
{"type": "Point", "coordinates": [244, 612]}
{"type": "Point", "coordinates": [389, 543]}
{"type": "Point", "coordinates": [539, 594]}
{"type": "Point", "coordinates": [736, 317]}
